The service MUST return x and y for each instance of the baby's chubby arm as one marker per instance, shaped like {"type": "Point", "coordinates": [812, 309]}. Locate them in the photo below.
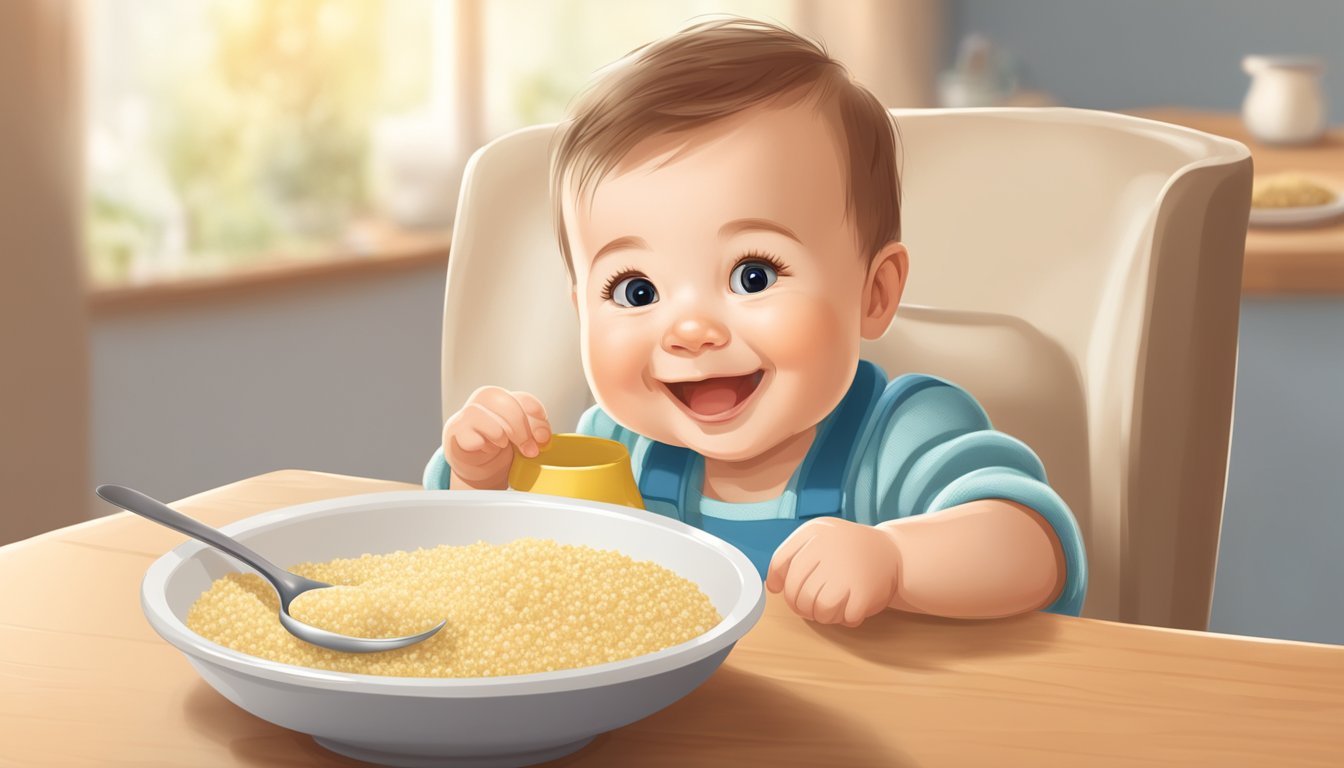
{"type": "Point", "coordinates": [478, 440]}
{"type": "Point", "coordinates": [986, 558]}
{"type": "Point", "coordinates": [983, 559]}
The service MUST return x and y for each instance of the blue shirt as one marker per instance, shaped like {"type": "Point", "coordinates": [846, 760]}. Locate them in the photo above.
{"type": "Point", "coordinates": [889, 450]}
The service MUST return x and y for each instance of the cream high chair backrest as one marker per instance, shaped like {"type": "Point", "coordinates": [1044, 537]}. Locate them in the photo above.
{"type": "Point", "coordinates": [1078, 272]}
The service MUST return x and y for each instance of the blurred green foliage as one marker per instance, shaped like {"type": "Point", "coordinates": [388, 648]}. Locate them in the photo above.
{"type": "Point", "coordinates": [116, 233]}
{"type": "Point", "coordinates": [262, 135]}
{"type": "Point", "coordinates": [267, 142]}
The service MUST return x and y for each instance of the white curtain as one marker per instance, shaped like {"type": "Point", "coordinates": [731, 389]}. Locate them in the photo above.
{"type": "Point", "coordinates": [43, 325]}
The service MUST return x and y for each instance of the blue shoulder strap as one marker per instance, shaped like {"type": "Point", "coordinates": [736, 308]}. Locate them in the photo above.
{"type": "Point", "coordinates": [662, 483]}
{"type": "Point", "coordinates": [821, 486]}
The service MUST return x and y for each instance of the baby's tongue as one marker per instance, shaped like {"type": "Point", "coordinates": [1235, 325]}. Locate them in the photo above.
{"type": "Point", "coordinates": [711, 396]}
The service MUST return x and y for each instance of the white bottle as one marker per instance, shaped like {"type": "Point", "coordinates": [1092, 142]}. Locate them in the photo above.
{"type": "Point", "coordinates": [1285, 104]}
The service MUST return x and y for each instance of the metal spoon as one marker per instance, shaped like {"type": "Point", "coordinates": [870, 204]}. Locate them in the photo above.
{"type": "Point", "coordinates": [287, 585]}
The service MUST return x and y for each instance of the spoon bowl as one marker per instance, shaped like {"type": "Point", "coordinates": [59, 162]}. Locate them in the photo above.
{"type": "Point", "coordinates": [287, 585]}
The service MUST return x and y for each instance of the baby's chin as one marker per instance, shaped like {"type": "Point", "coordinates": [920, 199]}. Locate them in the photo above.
{"type": "Point", "coordinates": [713, 447]}
{"type": "Point", "coordinates": [722, 442]}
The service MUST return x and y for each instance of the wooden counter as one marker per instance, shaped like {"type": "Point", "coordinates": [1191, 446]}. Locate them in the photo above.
{"type": "Point", "coordinates": [84, 681]}
{"type": "Point", "coordinates": [1281, 261]}
{"type": "Point", "coordinates": [372, 247]}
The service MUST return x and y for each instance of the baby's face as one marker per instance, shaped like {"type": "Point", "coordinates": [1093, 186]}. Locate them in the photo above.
{"type": "Point", "coordinates": [719, 284]}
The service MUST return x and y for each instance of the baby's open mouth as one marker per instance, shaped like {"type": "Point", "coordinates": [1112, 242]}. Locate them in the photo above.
{"type": "Point", "coordinates": [717, 398]}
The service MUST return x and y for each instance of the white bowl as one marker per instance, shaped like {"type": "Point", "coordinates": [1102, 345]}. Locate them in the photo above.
{"type": "Point", "coordinates": [495, 721]}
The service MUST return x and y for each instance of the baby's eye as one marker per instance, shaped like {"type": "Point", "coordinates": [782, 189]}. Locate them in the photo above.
{"type": "Point", "coordinates": [752, 277]}
{"type": "Point", "coordinates": [634, 292]}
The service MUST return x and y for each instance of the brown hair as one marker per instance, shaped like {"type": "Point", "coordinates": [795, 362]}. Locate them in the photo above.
{"type": "Point", "coordinates": [712, 70]}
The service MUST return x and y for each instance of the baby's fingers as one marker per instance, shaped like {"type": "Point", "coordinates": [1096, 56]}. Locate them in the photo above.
{"type": "Point", "coordinates": [510, 411]}
{"type": "Point", "coordinates": [782, 561]}
{"type": "Point", "coordinates": [536, 414]}
{"type": "Point", "coordinates": [860, 606]}
{"type": "Point", "coordinates": [800, 569]}
{"type": "Point", "coordinates": [478, 429]}
{"type": "Point", "coordinates": [830, 606]}
{"type": "Point", "coordinates": [809, 594]}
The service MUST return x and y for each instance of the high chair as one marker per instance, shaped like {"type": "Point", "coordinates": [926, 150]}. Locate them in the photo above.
{"type": "Point", "coordinates": [1078, 272]}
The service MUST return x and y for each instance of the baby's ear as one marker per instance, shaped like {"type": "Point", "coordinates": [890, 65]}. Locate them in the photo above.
{"type": "Point", "coordinates": [883, 287]}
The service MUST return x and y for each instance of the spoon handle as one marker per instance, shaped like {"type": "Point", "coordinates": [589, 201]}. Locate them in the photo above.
{"type": "Point", "coordinates": [145, 506]}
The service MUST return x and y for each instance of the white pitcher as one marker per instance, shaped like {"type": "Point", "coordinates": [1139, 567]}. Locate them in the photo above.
{"type": "Point", "coordinates": [1285, 104]}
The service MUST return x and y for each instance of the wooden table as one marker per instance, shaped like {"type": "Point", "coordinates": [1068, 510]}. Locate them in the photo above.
{"type": "Point", "coordinates": [84, 681]}
{"type": "Point", "coordinates": [1306, 260]}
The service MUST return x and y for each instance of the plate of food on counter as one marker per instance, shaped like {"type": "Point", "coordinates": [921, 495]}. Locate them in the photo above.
{"type": "Point", "coordinates": [1295, 200]}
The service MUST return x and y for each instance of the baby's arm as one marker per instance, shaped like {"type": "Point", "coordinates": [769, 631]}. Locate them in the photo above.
{"type": "Point", "coordinates": [983, 559]}
{"type": "Point", "coordinates": [951, 518]}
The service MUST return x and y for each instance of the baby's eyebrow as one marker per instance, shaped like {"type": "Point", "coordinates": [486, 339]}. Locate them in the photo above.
{"type": "Point", "coordinates": [736, 226]}
{"type": "Point", "coordinates": [746, 225]}
{"type": "Point", "coordinates": [620, 243]}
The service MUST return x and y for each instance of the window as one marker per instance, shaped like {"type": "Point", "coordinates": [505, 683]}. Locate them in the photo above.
{"type": "Point", "coordinates": [222, 133]}
{"type": "Point", "coordinates": [532, 69]}
{"type": "Point", "coordinates": [226, 132]}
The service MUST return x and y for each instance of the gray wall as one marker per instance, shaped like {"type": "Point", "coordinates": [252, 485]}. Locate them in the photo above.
{"type": "Point", "coordinates": [340, 375]}
{"type": "Point", "coordinates": [1280, 573]}
{"type": "Point", "coordinates": [1109, 54]}
{"type": "Point", "coordinates": [1280, 570]}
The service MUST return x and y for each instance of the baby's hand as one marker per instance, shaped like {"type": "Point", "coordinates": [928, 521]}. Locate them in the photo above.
{"type": "Point", "coordinates": [836, 572]}
{"type": "Point", "coordinates": [478, 440]}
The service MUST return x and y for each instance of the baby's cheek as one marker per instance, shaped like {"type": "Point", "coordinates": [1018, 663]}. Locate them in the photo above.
{"type": "Point", "coordinates": [617, 357]}
{"type": "Point", "coordinates": [813, 349]}
{"type": "Point", "coordinates": [803, 332]}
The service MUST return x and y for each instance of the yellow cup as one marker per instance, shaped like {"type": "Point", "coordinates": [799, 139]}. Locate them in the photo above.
{"type": "Point", "coordinates": [581, 467]}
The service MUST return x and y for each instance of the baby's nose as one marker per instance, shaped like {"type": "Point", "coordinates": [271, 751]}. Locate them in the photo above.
{"type": "Point", "coordinates": [691, 335]}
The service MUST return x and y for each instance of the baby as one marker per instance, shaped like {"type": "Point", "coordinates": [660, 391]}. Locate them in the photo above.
{"type": "Point", "coordinates": [728, 208]}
